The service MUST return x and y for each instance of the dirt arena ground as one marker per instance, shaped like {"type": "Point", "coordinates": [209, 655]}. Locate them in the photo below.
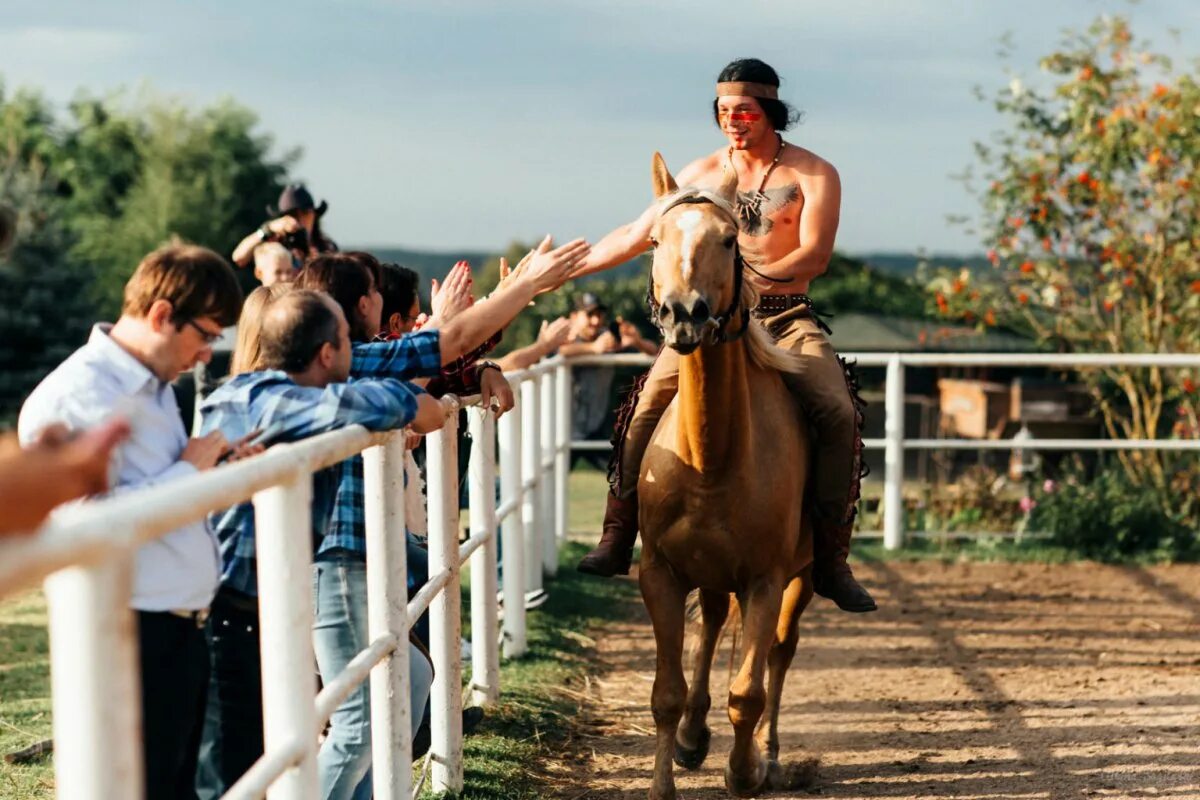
{"type": "Point", "coordinates": [972, 681]}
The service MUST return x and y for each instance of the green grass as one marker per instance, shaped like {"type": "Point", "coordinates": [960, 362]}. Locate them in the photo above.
{"type": "Point", "coordinates": [24, 694]}
{"type": "Point", "coordinates": [531, 720]}
{"type": "Point", "coordinates": [535, 715]}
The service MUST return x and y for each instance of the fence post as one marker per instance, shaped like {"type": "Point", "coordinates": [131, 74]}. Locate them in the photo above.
{"type": "Point", "coordinates": [547, 482]}
{"type": "Point", "coordinates": [95, 692]}
{"type": "Point", "coordinates": [445, 623]}
{"type": "Point", "coordinates": [387, 612]}
{"type": "Point", "coordinates": [283, 530]}
{"type": "Point", "coordinates": [512, 532]}
{"type": "Point", "coordinates": [893, 495]}
{"type": "Point", "coordinates": [562, 450]}
{"type": "Point", "coordinates": [485, 654]}
{"type": "Point", "coordinates": [531, 460]}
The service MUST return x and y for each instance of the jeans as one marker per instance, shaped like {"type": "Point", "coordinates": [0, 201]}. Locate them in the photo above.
{"type": "Point", "coordinates": [339, 634]}
{"type": "Point", "coordinates": [233, 725]}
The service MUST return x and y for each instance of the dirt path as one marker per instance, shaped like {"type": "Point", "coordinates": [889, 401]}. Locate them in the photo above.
{"type": "Point", "coordinates": [973, 681]}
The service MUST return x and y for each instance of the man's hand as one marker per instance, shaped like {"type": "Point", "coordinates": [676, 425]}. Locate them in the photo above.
{"type": "Point", "coordinates": [59, 466]}
{"type": "Point", "coordinates": [495, 391]}
{"type": "Point", "coordinates": [281, 226]}
{"type": "Point", "coordinates": [453, 295]}
{"type": "Point", "coordinates": [554, 335]}
{"type": "Point", "coordinates": [202, 452]}
{"type": "Point", "coordinates": [547, 269]}
{"type": "Point", "coordinates": [605, 343]}
{"type": "Point", "coordinates": [431, 414]}
{"type": "Point", "coordinates": [84, 456]}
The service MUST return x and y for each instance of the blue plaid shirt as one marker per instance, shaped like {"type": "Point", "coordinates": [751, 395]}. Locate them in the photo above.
{"type": "Point", "coordinates": [284, 411]}
{"type": "Point", "coordinates": [416, 355]}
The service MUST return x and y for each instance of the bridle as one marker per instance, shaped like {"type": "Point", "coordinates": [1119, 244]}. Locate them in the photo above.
{"type": "Point", "coordinates": [721, 333]}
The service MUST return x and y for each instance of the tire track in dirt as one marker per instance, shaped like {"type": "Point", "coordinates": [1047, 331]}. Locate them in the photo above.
{"type": "Point", "coordinates": [972, 681]}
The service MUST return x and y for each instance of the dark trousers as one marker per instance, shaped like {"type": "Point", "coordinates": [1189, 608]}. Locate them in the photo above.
{"type": "Point", "coordinates": [233, 731]}
{"type": "Point", "coordinates": [174, 664]}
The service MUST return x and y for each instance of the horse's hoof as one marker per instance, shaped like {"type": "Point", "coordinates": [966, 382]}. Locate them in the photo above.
{"type": "Point", "coordinates": [798, 775]}
{"type": "Point", "coordinates": [753, 788]}
{"type": "Point", "coordinates": [694, 757]}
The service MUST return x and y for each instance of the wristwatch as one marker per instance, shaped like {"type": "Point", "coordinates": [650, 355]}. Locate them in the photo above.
{"type": "Point", "coordinates": [264, 233]}
{"type": "Point", "coordinates": [481, 365]}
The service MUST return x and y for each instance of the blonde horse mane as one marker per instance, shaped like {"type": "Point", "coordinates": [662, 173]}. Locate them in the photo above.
{"type": "Point", "coordinates": [760, 344]}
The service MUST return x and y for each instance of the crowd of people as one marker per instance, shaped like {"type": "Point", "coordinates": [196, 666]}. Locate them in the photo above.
{"type": "Point", "coordinates": [329, 339]}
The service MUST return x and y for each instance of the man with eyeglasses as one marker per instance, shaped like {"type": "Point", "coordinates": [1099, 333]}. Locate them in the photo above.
{"type": "Point", "coordinates": [176, 304]}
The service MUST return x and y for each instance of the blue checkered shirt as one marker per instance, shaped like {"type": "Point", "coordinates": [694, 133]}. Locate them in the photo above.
{"type": "Point", "coordinates": [284, 411]}
{"type": "Point", "coordinates": [416, 355]}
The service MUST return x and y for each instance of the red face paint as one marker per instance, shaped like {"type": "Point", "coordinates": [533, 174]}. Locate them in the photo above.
{"type": "Point", "coordinates": [745, 116]}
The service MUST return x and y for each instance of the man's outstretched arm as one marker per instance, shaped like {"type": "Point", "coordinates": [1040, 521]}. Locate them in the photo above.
{"type": "Point", "coordinates": [626, 242]}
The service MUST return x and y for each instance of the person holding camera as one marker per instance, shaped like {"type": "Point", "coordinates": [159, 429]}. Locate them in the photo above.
{"type": "Point", "coordinates": [295, 223]}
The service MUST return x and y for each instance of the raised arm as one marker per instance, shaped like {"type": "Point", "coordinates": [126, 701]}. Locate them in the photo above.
{"type": "Point", "coordinates": [546, 270]}
{"type": "Point", "coordinates": [626, 242]}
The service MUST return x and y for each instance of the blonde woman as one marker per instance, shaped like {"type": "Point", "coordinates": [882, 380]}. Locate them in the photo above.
{"type": "Point", "coordinates": [247, 351]}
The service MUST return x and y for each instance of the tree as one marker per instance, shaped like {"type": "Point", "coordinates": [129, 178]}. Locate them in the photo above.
{"type": "Point", "coordinates": [141, 172]}
{"type": "Point", "coordinates": [44, 308]}
{"type": "Point", "coordinates": [97, 192]}
{"type": "Point", "coordinates": [1091, 216]}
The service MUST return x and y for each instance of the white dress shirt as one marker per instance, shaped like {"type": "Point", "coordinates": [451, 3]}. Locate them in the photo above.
{"type": "Point", "coordinates": [101, 380]}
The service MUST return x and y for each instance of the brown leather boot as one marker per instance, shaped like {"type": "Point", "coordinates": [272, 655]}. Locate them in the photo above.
{"type": "Point", "coordinates": [614, 554]}
{"type": "Point", "coordinates": [832, 577]}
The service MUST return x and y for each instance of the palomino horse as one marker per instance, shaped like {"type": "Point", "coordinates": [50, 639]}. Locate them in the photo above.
{"type": "Point", "coordinates": [720, 510]}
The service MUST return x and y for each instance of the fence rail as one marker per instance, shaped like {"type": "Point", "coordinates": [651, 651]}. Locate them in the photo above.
{"type": "Point", "coordinates": [85, 555]}
{"type": "Point", "coordinates": [895, 443]}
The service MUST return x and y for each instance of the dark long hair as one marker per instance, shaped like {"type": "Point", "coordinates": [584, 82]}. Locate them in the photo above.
{"type": "Point", "coordinates": [781, 115]}
{"type": "Point", "coordinates": [346, 279]}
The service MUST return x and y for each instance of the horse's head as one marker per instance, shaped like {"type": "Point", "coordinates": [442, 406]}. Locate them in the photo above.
{"type": "Point", "coordinates": [696, 278]}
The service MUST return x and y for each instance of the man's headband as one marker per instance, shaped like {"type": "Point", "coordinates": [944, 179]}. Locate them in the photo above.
{"type": "Point", "coordinates": [744, 89]}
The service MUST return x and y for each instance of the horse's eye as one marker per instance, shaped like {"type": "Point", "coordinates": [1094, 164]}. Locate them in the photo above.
{"type": "Point", "coordinates": [729, 242]}
{"type": "Point", "coordinates": [653, 242]}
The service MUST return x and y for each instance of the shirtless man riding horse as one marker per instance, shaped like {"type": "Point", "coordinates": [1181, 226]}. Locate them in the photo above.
{"type": "Point", "coordinates": [788, 203]}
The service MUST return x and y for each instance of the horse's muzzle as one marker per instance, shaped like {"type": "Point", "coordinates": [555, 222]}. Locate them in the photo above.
{"type": "Point", "coordinates": [686, 325]}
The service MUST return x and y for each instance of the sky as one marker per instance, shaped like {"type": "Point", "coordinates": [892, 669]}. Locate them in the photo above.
{"type": "Point", "coordinates": [466, 124]}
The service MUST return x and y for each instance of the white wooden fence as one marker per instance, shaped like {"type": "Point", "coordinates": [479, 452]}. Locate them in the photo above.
{"type": "Point", "coordinates": [894, 443]}
{"type": "Point", "coordinates": [85, 555]}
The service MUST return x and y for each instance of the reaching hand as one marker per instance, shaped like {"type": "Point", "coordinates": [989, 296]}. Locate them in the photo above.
{"type": "Point", "coordinates": [452, 296]}
{"type": "Point", "coordinates": [554, 335]}
{"type": "Point", "coordinates": [630, 335]}
{"type": "Point", "coordinates": [605, 343]}
{"type": "Point", "coordinates": [548, 269]}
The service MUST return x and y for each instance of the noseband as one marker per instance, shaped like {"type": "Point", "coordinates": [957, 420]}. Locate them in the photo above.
{"type": "Point", "coordinates": [722, 333]}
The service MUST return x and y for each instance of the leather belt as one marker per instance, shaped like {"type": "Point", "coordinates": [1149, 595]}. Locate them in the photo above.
{"type": "Point", "coordinates": [198, 616]}
{"type": "Point", "coordinates": [771, 304]}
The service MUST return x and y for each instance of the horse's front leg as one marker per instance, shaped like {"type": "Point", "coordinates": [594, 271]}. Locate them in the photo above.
{"type": "Point", "coordinates": [691, 743]}
{"type": "Point", "coordinates": [664, 596]}
{"type": "Point", "coordinates": [747, 773]}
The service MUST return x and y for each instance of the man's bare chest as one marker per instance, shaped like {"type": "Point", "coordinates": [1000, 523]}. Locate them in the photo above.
{"type": "Point", "coordinates": [773, 211]}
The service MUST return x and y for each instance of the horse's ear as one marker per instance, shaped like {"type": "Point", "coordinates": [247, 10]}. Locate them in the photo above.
{"type": "Point", "coordinates": [664, 184]}
{"type": "Point", "coordinates": [729, 183]}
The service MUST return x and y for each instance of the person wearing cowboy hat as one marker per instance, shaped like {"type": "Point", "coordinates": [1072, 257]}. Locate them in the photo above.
{"type": "Point", "coordinates": [295, 222]}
